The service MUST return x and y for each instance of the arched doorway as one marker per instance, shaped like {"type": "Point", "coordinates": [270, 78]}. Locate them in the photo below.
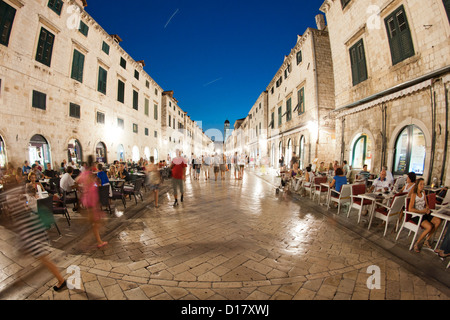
{"type": "Point", "coordinates": [3, 159]}
{"type": "Point", "coordinates": [39, 150]}
{"type": "Point", "coordinates": [135, 154]}
{"type": "Point", "coordinates": [280, 151]}
{"type": "Point", "coordinates": [75, 152]}
{"type": "Point", "coordinates": [301, 153]}
{"type": "Point", "coordinates": [147, 153]}
{"type": "Point", "coordinates": [289, 152]}
{"type": "Point", "coordinates": [274, 159]}
{"type": "Point", "coordinates": [361, 152]}
{"type": "Point", "coordinates": [156, 155]}
{"type": "Point", "coordinates": [120, 153]}
{"type": "Point", "coordinates": [410, 151]}
{"type": "Point", "coordinates": [100, 152]}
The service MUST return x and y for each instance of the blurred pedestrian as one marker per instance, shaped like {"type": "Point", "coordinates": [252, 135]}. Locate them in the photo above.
{"type": "Point", "coordinates": [153, 178]}
{"type": "Point", "coordinates": [31, 232]}
{"type": "Point", "coordinates": [90, 199]}
{"type": "Point", "coordinates": [178, 166]}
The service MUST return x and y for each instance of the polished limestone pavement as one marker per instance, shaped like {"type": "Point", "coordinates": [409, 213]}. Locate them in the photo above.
{"type": "Point", "coordinates": [228, 240]}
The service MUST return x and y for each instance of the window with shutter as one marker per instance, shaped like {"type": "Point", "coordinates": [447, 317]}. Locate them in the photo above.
{"type": "Point", "coordinates": [102, 80]}
{"type": "Point", "coordinates": [135, 100]}
{"type": "Point", "coordinates": [155, 112]}
{"type": "Point", "coordinates": [289, 110]}
{"type": "Point", "coordinates": [84, 29]}
{"type": "Point", "coordinates": [301, 101]}
{"type": "Point", "coordinates": [45, 47]}
{"type": "Point", "coordinates": [299, 57]}
{"type": "Point", "coordinates": [358, 63]}
{"type": "Point", "coordinates": [123, 63]}
{"type": "Point", "coordinates": [100, 118]}
{"type": "Point", "coordinates": [39, 100]}
{"type": "Point", "coordinates": [121, 92]}
{"type": "Point", "coordinates": [56, 6]}
{"type": "Point", "coordinates": [77, 66]}
{"type": "Point", "coordinates": [74, 111]}
{"type": "Point", "coordinates": [280, 120]}
{"type": "Point", "coordinates": [399, 34]}
{"type": "Point", "coordinates": [7, 14]}
{"type": "Point", "coordinates": [105, 48]}
{"type": "Point", "coordinates": [147, 107]}
{"type": "Point", "coordinates": [120, 123]}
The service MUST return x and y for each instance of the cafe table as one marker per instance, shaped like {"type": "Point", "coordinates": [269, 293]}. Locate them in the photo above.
{"type": "Point", "coordinates": [380, 196]}
{"type": "Point", "coordinates": [444, 214]}
{"type": "Point", "coordinates": [430, 189]}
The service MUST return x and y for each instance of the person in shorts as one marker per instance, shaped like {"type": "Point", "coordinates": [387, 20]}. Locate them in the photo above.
{"type": "Point", "coordinates": [178, 166]}
{"type": "Point", "coordinates": [153, 178]}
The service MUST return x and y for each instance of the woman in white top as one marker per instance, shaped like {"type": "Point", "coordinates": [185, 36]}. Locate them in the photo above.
{"type": "Point", "coordinates": [410, 183]}
{"type": "Point", "coordinates": [419, 204]}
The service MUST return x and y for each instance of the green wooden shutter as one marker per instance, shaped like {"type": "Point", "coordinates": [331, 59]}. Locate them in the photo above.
{"type": "Point", "coordinates": [77, 66]}
{"type": "Point", "coordinates": [55, 5]}
{"type": "Point", "coordinates": [102, 80]}
{"type": "Point", "coordinates": [121, 91]}
{"type": "Point", "coordinates": [354, 65]}
{"type": "Point", "coordinates": [7, 14]}
{"type": "Point", "coordinates": [45, 47]}
{"type": "Point", "coordinates": [399, 35]}
{"type": "Point", "coordinates": [135, 100]}
{"type": "Point", "coordinates": [147, 106]}
{"type": "Point", "coordinates": [155, 111]}
{"type": "Point", "coordinates": [105, 48]}
{"type": "Point", "coordinates": [289, 110]}
{"type": "Point", "coordinates": [362, 67]}
{"type": "Point", "coordinates": [301, 100]}
{"type": "Point", "coordinates": [84, 28]}
{"type": "Point", "coordinates": [280, 120]}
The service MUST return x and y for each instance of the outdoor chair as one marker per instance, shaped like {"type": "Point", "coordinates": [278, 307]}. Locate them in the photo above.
{"type": "Point", "coordinates": [387, 213]}
{"type": "Point", "coordinates": [318, 188]}
{"type": "Point", "coordinates": [409, 224]}
{"type": "Point", "coordinates": [340, 197]}
{"type": "Point", "coordinates": [103, 192]}
{"type": "Point", "coordinates": [45, 213]}
{"type": "Point", "coordinates": [357, 202]}
{"type": "Point", "coordinates": [118, 192]}
{"type": "Point", "coordinates": [60, 207]}
{"type": "Point", "coordinates": [136, 191]}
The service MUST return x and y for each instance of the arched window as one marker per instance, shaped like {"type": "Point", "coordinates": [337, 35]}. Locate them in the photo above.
{"type": "Point", "coordinates": [39, 150]}
{"type": "Point", "coordinates": [135, 154]}
{"type": "Point", "coordinates": [410, 151]}
{"type": "Point", "coordinates": [100, 151]}
{"type": "Point", "coordinates": [361, 153]}
{"type": "Point", "coordinates": [75, 152]}
{"type": "Point", "coordinates": [120, 153]}
{"type": "Point", "coordinates": [301, 153]}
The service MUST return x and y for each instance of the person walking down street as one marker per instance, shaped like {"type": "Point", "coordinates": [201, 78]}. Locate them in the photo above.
{"type": "Point", "coordinates": [179, 165]}
{"type": "Point", "coordinates": [241, 163]}
{"type": "Point", "coordinates": [223, 167]}
{"type": "Point", "coordinates": [20, 202]}
{"type": "Point", "coordinates": [216, 161]}
{"type": "Point", "coordinates": [153, 178]}
{"type": "Point", "coordinates": [87, 180]}
{"type": "Point", "coordinates": [236, 165]}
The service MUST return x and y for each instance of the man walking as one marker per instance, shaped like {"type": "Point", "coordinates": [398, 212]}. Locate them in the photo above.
{"type": "Point", "coordinates": [178, 167]}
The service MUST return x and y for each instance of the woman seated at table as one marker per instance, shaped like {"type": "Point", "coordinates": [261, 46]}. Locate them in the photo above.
{"type": "Point", "coordinates": [419, 204]}
{"type": "Point", "coordinates": [102, 175]}
{"type": "Point", "coordinates": [294, 173]}
{"type": "Point", "coordinates": [338, 181]}
{"type": "Point", "coordinates": [36, 185]}
{"type": "Point", "coordinates": [112, 173]}
{"type": "Point", "coordinates": [410, 183]}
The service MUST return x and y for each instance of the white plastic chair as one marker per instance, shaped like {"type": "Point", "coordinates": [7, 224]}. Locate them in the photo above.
{"type": "Point", "coordinates": [386, 213]}
{"type": "Point", "coordinates": [344, 196]}
{"type": "Point", "coordinates": [445, 201]}
{"type": "Point", "coordinates": [318, 189]}
{"type": "Point", "coordinates": [409, 224]}
{"type": "Point", "coordinates": [357, 202]}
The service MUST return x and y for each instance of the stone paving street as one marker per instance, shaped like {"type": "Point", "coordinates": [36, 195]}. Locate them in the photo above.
{"type": "Point", "coordinates": [228, 240]}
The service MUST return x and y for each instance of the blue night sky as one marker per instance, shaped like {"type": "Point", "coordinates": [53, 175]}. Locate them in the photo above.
{"type": "Point", "coordinates": [216, 55]}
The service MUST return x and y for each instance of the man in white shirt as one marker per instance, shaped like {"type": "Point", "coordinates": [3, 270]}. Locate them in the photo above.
{"type": "Point", "coordinates": [389, 175]}
{"type": "Point", "coordinates": [67, 183]}
{"type": "Point", "coordinates": [381, 184]}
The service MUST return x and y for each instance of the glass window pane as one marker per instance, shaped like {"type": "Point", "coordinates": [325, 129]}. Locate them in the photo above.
{"type": "Point", "coordinates": [417, 162]}
{"type": "Point", "coordinates": [401, 153]}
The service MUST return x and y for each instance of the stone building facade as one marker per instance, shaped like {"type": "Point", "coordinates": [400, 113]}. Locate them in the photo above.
{"type": "Point", "coordinates": [300, 97]}
{"type": "Point", "coordinates": [68, 89]}
{"type": "Point", "coordinates": [292, 114]}
{"type": "Point", "coordinates": [391, 67]}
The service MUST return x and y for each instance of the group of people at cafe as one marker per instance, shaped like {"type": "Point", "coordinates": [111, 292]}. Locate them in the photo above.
{"type": "Point", "coordinates": [339, 174]}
